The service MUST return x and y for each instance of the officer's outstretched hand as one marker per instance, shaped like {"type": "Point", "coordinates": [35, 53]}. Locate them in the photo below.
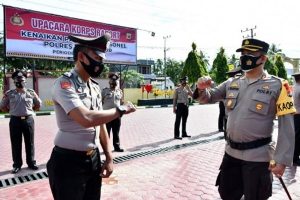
{"type": "Point", "coordinates": [204, 82]}
{"type": "Point", "coordinates": [129, 107]}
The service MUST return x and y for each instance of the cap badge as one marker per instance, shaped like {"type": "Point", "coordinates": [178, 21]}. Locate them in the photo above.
{"type": "Point", "coordinates": [20, 74]}
{"type": "Point", "coordinates": [259, 106]}
{"type": "Point", "coordinates": [247, 42]}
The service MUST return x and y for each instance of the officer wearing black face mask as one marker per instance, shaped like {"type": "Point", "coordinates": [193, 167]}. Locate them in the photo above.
{"type": "Point", "coordinates": [181, 107]}
{"type": "Point", "coordinates": [74, 168]}
{"type": "Point", "coordinates": [21, 103]}
{"type": "Point", "coordinates": [111, 98]}
{"type": "Point", "coordinates": [252, 100]}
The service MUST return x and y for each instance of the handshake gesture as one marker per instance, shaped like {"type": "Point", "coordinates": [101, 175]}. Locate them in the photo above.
{"type": "Point", "coordinates": [204, 82]}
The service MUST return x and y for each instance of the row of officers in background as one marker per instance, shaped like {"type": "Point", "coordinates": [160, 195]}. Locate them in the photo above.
{"type": "Point", "coordinates": [21, 103]}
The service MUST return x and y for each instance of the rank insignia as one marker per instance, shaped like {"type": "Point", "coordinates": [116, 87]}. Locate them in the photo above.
{"type": "Point", "coordinates": [266, 87]}
{"type": "Point", "coordinates": [231, 95]}
{"type": "Point", "coordinates": [259, 106]}
{"type": "Point", "coordinates": [229, 103]}
{"type": "Point", "coordinates": [234, 85]}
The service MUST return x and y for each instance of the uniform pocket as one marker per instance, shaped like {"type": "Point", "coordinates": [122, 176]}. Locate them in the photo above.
{"type": "Point", "coordinates": [260, 104]}
{"type": "Point", "coordinates": [231, 99]}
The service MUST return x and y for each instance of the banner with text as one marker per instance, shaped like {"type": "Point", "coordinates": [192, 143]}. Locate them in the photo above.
{"type": "Point", "coordinates": [32, 34]}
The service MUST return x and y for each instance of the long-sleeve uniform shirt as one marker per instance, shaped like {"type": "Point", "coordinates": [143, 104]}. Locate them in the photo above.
{"type": "Point", "coordinates": [251, 109]}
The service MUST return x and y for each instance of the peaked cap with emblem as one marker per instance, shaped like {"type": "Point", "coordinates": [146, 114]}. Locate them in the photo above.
{"type": "Point", "coordinates": [99, 44]}
{"type": "Point", "coordinates": [251, 44]}
{"type": "Point", "coordinates": [19, 75]}
{"type": "Point", "coordinates": [113, 77]}
{"type": "Point", "coordinates": [234, 71]}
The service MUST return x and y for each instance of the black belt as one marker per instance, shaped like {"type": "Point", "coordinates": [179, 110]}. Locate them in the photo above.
{"type": "Point", "coordinates": [21, 117]}
{"type": "Point", "coordinates": [248, 145]}
{"type": "Point", "coordinates": [74, 152]}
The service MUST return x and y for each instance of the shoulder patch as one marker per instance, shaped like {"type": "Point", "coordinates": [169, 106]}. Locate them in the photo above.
{"type": "Point", "coordinates": [65, 84]}
{"type": "Point", "coordinates": [285, 104]}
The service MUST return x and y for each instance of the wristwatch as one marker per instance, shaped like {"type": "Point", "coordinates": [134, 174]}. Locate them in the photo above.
{"type": "Point", "coordinates": [122, 110]}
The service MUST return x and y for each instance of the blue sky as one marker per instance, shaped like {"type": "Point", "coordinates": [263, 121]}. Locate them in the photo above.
{"type": "Point", "coordinates": [209, 23]}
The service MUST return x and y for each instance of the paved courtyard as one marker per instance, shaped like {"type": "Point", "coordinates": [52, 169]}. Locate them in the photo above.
{"type": "Point", "coordinates": [154, 166]}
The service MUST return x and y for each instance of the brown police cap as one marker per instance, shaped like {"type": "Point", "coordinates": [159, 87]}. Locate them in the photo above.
{"type": "Point", "coordinates": [19, 75]}
{"type": "Point", "coordinates": [99, 44]}
{"type": "Point", "coordinates": [254, 45]}
{"type": "Point", "coordinates": [113, 77]}
{"type": "Point", "coordinates": [234, 71]}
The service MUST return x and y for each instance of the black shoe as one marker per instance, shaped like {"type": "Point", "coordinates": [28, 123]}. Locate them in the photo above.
{"type": "Point", "coordinates": [119, 150]}
{"type": "Point", "coordinates": [15, 170]}
{"type": "Point", "coordinates": [221, 130]}
{"type": "Point", "coordinates": [178, 138]}
{"type": "Point", "coordinates": [186, 136]}
{"type": "Point", "coordinates": [33, 167]}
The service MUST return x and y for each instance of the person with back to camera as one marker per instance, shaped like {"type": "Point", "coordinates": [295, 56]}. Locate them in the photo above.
{"type": "Point", "coordinates": [21, 104]}
{"type": "Point", "coordinates": [74, 168]}
{"type": "Point", "coordinates": [252, 100]}
{"type": "Point", "coordinates": [181, 107]}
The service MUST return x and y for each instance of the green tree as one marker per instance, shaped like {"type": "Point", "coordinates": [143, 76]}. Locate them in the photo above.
{"type": "Point", "coordinates": [194, 66]}
{"type": "Point", "coordinates": [220, 67]}
{"type": "Point", "coordinates": [273, 51]}
{"type": "Point", "coordinates": [271, 68]}
{"type": "Point", "coordinates": [132, 78]}
{"type": "Point", "coordinates": [158, 67]}
{"type": "Point", "coordinates": [174, 70]}
{"type": "Point", "coordinates": [280, 66]}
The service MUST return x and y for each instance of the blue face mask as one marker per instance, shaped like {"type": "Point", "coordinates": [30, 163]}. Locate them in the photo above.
{"type": "Point", "coordinates": [248, 62]}
{"type": "Point", "coordinates": [95, 68]}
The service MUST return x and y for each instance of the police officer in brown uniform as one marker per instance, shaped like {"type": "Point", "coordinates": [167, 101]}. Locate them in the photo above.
{"type": "Point", "coordinates": [252, 101]}
{"type": "Point", "coordinates": [296, 97]}
{"type": "Point", "coordinates": [181, 107]}
{"type": "Point", "coordinates": [111, 98]}
{"type": "Point", "coordinates": [21, 103]}
{"type": "Point", "coordinates": [75, 170]}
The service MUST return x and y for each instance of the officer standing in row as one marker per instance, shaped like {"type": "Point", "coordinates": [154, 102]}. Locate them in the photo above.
{"type": "Point", "coordinates": [75, 170]}
{"type": "Point", "coordinates": [21, 104]}
{"type": "Point", "coordinates": [181, 107]}
{"type": "Point", "coordinates": [252, 101]}
{"type": "Point", "coordinates": [296, 97]}
{"type": "Point", "coordinates": [112, 98]}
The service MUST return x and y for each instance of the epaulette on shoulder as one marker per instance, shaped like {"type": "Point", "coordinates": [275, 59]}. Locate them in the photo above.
{"type": "Point", "coordinates": [67, 74]}
{"type": "Point", "coordinates": [94, 81]}
{"type": "Point", "coordinates": [278, 78]}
